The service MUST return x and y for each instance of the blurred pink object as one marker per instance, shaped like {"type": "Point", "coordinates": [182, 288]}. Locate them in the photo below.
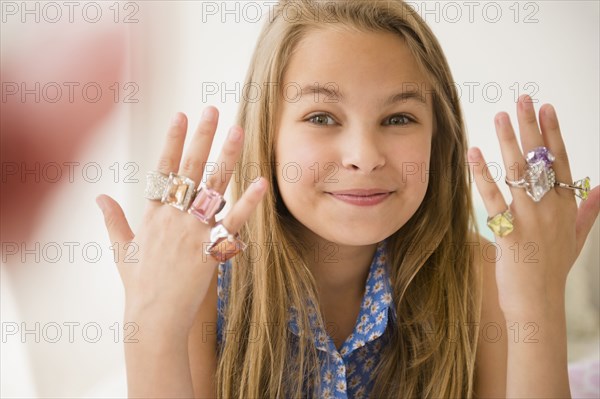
{"type": "Point", "coordinates": [584, 378]}
{"type": "Point", "coordinates": [40, 125]}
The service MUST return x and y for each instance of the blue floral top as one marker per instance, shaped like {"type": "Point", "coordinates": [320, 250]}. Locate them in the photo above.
{"type": "Point", "coordinates": [346, 373]}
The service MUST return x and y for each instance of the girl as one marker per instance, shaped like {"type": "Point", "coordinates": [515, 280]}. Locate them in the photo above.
{"type": "Point", "coordinates": [364, 273]}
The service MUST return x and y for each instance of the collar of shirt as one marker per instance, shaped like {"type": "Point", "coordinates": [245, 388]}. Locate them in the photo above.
{"type": "Point", "coordinates": [373, 316]}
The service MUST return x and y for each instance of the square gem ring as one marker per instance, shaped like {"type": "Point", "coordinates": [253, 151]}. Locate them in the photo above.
{"type": "Point", "coordinates": [224, 245]}
{"type": "Point", "coordinates": [179, 191]}
{"type": "Point", "coordinates": [207, 203]}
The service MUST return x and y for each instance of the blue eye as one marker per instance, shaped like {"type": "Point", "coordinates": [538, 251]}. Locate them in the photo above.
{"type": "Point", "coordinates": [317, 119]}
{"type": "Point", "coordinates": [398, 118]}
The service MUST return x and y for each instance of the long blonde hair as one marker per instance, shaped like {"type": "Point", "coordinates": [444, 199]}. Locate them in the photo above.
{"type": "Point", "coordinates": [431, 353]}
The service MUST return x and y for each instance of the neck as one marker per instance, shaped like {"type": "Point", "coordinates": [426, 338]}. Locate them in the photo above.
{"type": "Point", "coordinates": [340, 271]}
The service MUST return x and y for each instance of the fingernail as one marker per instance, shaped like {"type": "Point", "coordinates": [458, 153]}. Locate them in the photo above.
{"type": "Point", "coordinates": [550, 111]}
{"type": "Point", "coordinates": [235, 134]}
{"type": "Point", "coordinates": [500, 119]}
{"type": "Point", "coordinates": [177, 119]}
{"type": "Point", "coordinates": [260, 183]}
{"type": "Point", "coordinates": [101, 203]}
{"type": "Point", "coordinates": [208, 114]}
{"type": "Point", "coordinates": [475, 153]}
{"type": "Point", "coordinates": [527, 102]}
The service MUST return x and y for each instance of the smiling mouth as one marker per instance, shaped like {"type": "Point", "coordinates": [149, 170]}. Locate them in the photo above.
{"type": "Point", "coordinates": [359, 192]}
{"type": "Point", "coordinates": [362, 200]}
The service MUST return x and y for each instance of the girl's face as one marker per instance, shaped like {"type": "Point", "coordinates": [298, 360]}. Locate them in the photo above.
{"type": "Point", "coordinates": [344, 126]}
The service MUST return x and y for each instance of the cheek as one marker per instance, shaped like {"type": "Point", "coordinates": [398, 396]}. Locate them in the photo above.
{"type": "Point", "coordinates": [296, 186]}
{"type": "Point", "coordinates": [412, 162]}
{"type": "Point", "coordinates": [299, 164]}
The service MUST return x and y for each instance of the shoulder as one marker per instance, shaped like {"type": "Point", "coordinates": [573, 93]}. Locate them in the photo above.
{"type": "Point", "coordinates": [484, 251]}
{"type": "Point", "coordinates": [223, 282]}
{"type": "Point", "coordinates": [484, 264]}
{"type": "Point", "coordinates": [491, 358]}
{"type": "Point", "coordinates": [223, 277]}
{"type": "Point", "coordinates": [484, 261]}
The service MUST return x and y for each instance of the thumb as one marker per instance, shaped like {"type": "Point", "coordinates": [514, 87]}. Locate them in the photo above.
{"type": "Point", "coordinates": [114, 219]}
{"type": "Point", "coordinates": [588, 212]}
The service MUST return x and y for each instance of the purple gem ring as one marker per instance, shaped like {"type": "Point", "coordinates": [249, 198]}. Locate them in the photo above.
{"type": "Point", "coordinates": [207, 203]}
{"type": "Point", "coordinates": [540, 154]}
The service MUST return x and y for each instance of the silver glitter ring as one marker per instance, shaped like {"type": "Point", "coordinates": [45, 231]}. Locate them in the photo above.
{"type": "Point", "coordinates": [156, 183]}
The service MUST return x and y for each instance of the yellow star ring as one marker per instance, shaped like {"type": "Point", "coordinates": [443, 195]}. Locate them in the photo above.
{"type": "Point", "coordinates": [501, 224]}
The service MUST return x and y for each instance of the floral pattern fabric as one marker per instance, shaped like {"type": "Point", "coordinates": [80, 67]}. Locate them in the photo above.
{"type": "Point", "coordinates": [346, 373]}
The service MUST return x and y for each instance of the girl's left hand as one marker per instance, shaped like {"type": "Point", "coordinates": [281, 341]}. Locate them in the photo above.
{"type": "Point", "coordinates": [533, 261]}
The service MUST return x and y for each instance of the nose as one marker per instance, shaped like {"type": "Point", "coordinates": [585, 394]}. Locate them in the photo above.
{"type": "Point", "coordinates": [362, 150]}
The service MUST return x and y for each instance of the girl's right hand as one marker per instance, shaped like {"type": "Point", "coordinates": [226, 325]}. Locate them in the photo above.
{"type": "Point", "coordinates": [168, 278]}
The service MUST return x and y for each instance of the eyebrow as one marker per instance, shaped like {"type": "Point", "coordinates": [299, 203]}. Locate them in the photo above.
{"type": "Point", "coordinates": [334, 95]}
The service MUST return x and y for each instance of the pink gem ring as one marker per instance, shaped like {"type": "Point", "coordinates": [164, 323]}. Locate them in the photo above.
{"type": "Point", "coordinates": [539, 176]}
{"type": "Point", "coordinates": [207, 203]}
{"type": "Point", "coordinates": [581, 187]}
{"type": "Point", "coordinates": [223, 245]}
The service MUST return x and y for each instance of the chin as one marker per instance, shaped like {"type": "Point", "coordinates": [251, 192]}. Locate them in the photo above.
{"type": "Point", "coordinates": [352, 239]}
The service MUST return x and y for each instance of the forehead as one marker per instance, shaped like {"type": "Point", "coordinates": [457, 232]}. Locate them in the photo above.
{"type": "Point", "coordinates": [354, 60]}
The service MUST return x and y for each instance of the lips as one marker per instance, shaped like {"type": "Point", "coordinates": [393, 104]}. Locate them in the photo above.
{"type": "Point", "coordinates": [361, 192]}
{"type": "Point", "coordinates": [362, 197]}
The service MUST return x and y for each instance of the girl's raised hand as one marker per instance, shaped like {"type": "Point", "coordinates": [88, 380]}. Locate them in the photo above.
{"type": "Point", "coordinates": [533, 261]}
{"type": "Point", "coordinates": [168, 278]}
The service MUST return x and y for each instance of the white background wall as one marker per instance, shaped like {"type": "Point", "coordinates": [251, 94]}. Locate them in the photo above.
{"type": "Point", "coordinates": [175, 48]}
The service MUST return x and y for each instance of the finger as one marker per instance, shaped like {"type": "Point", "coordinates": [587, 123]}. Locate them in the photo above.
{"type": "Point", "coordinates": [229, 155]}
{"type": "Point", "coordinates": [586, 216]}
{"type": "Point", "coordinates": [514, 163]}
{"type": "Point", "coordinates": [171, 153]}
{"type": "Point", "coordinates": [114, 219]}
{"type": "Point", "coordinates": [486, 185]}
{"type": "Point", "coordinates": [241, 210]}
{"type": "Point", "coordinates": [528, 125]}
{"type": "Point", "coordinates": [197, 154]}
{"type": "Point", "coordinates": [553, 140]}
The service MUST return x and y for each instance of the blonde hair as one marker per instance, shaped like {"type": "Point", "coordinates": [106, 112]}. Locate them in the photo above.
{"type": "Point", "coordinates": [434, 283]}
